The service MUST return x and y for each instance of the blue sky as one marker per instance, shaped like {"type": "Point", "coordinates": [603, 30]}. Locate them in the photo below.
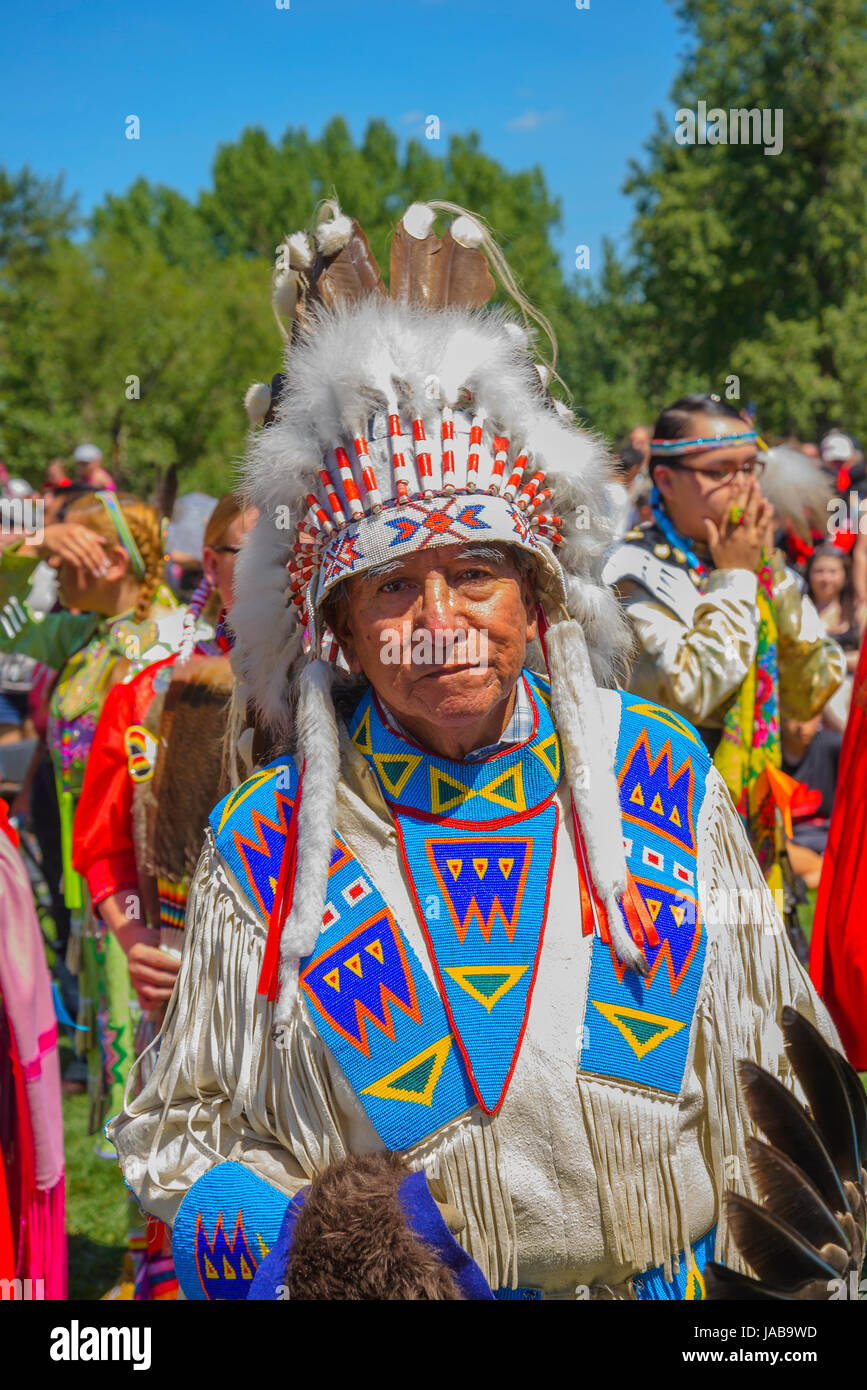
{"type": "Point", "coordinates": [572, 90]}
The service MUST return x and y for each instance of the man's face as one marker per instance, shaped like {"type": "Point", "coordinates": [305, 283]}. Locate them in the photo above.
{"type": "Point", "coordinates": [639, 438]}
{"type": "Point", "coordinates": [704, 486]}
{"type": "Point", "coordinates": [798, 734]}
{"type": "Point", "coordinates": [440, 634]}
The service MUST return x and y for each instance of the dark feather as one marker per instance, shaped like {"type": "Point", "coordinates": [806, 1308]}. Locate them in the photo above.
{"type": "Point", "coordinates": [858, 1102]}
{"type": "Point", "coordinates": [168, 491]}
{"type": "Point", "coordinates": [412, 267]}
{"type": "Point", "coordinates": [809, 1232]}
{"type": "Point", "coordinates": [462, 278]}
{"type": "Point", "coordinates": [727, 1285]}
{"type": "Point", "coordinates": [790, 1196]}
{"type": "Point", "coordinates": [817, 1069]}
{"type": "Point", "coordinates": [773, 1248]}
{"type": "Point", "coordinates": [785, 1122]}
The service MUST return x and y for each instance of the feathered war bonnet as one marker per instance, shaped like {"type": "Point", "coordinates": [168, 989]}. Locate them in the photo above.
{"type": "Point", "coordinates": [415, 419]}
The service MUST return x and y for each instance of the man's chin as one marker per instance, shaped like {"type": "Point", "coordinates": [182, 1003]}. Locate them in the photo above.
{"type": "Point", "coordinates": [456, 694]}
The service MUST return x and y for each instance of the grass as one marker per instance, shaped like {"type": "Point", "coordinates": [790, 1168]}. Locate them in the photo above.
{"type": "Point", "coordinates": [96, 1199]}
{"type": "Point", "coordinates": [96, 1203]}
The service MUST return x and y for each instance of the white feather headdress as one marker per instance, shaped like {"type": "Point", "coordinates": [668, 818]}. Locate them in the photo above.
{"type": "Point", "coordinates": [417, 420]}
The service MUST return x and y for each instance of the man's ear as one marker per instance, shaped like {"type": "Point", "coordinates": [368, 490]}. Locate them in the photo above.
{"type": "Point", "coordinates": [338, 621]}
{"type": "Point", "coordinates": [528, 594]}
{"type": "Point", "coordinates": [662, 477]}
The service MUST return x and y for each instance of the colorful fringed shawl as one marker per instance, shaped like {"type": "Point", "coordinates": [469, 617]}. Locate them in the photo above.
{"type": "Point", "coordinates": [750, 740]}
{"type": "Point", "coordinates": [751, 737]}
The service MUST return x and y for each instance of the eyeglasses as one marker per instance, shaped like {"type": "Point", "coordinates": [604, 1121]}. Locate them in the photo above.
{"type": "Point", "coordinates": [227, 550]}
{"type": "Point", "coordinates": [753, 468]}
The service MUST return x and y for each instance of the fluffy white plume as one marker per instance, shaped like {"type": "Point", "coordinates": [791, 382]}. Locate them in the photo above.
{"type": "Point", "coordinates": [577, 711]}
{"type": "Point", "coordinates": [797, 489]}
{"type": "Point", "coordinates": [300, 251]}
{"type": "Point", "coordinates": [256, 402]}
{"type": "Point", "coordinates": [467, 232]}
{"type": "Point", "coordinates": [332, 236]}
{"type": "Point", "coordinates": [318, 746]}
{"type": "Point", "coordinates": [284, 299]}
{"type": "Point", "coordinates": [418, 220]}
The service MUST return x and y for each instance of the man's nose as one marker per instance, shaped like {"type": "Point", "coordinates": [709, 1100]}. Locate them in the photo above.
{"type": "Point", "coordinates": [437, 604]}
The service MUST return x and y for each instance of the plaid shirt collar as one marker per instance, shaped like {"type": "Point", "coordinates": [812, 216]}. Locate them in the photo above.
{"type": "Point", "coordinates": [518, 729]}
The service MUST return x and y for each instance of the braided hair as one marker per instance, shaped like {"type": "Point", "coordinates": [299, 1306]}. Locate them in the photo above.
{"type": "Point", "coordinates": [144, 523]}
{"type": "Point", "coordinates": [676, 419]}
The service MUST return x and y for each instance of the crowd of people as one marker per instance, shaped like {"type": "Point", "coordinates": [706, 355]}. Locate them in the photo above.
{"type": "Point", "coordinates": [326, 923]}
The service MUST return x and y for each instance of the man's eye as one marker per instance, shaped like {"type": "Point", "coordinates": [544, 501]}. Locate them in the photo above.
{"type": "Point", "coordinates": [469, 576]}
{"type": "Point", "coordinates": [391, 586]}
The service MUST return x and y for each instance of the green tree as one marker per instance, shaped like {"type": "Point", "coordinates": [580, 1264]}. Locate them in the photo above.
{"type": "Point", "coordinates": [33, 213]}
{"type": "Point", "coordinates": [754, 264]}
{"type": "Point", "coordinates": [145, 336]}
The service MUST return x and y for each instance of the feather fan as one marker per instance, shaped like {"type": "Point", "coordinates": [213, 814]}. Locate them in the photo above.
{"type": "Point", "coordinates": [806, 1233]}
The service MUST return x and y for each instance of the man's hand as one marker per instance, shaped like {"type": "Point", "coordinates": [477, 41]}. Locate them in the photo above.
{"type": "Point", "coordinates": [152, 971]}
{"type": "Point", "coordinates": [738, 545]}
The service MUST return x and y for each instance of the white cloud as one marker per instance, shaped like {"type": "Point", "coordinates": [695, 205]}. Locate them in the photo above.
{"type": "Point", "coordinates": [532, 119]}
{"type": "Point", "coordinates": [411, 117]}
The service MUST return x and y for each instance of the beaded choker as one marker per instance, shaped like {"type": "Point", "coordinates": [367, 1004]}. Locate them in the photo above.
{"type": "Point", "coordinates": [673, 537]}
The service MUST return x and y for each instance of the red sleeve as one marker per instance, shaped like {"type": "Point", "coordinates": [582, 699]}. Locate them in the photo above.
{"type": "Point", "coordinates": [103, 848]}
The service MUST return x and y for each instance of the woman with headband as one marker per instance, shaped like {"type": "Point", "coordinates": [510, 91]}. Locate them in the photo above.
{"type": "Point", "coordinates": [154, 773]}
{"type": "Point", "coordinates": [109, 553]}
{"type": "Point", "coordinates": [725, 637]}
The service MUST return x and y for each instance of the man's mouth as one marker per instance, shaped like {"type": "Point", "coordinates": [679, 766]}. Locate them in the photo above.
{"type": "Point", "coordinates": [449, 670]}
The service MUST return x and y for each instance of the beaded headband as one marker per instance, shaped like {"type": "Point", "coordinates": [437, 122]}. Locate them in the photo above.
{"type": "Point", "coordinates": [465, 483]}
{"type": "Point", "coordinates": [674, 448]}
{"type": "Point", "coordinates": [124, 534]}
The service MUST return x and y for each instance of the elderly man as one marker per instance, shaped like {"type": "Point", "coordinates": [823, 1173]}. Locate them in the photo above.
{"type": "Point", "coordinates": [484, 917]}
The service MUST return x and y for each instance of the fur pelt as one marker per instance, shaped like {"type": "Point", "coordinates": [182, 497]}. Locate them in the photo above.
{"type": "Point", "coordinates": [340, 369]}
{"type": "Point", "coordinates": [577, 711]}
{"type": "Point", "coordinates": [352, 1240]}
{"type": "Point", "coordinates": [318, 746]}
{"type": "Point", "coordinates": [188, 780]}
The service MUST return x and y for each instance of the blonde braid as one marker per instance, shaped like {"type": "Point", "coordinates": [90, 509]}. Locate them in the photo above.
{"type": "Point", "coordinates": [147, 533]}
{"type": "Point", "coordinates": [144, 523]}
